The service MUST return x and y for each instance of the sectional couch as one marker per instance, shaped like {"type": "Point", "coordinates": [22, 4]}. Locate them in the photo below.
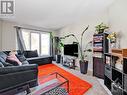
{"type": "Point", "coordinates": [12, 76]}
{"type": "Point", "coordinates": [33, 58]}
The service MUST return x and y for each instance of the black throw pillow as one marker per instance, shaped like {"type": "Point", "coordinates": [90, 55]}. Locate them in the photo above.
{"type": "Point", "coordinates": [30, 54]}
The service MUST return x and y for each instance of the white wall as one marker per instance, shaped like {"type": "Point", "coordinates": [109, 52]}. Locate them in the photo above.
{"type": "Point", "coordinates": [0, 35]}
{"type": "Point", "coordinates": [8, 36]}
{"type": "Point", "coordinates": [8, 39]}
{"type": "Point", "coordinates": [118, 20]}
{"type": "Point", "coordinates": [88, 36]}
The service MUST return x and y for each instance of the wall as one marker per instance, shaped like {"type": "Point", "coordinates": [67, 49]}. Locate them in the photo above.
{"type": "Point", "coordinates": [8, 40]}
{"type": "Point", "coordinates": [88, 36]}
{"type": "Point", "coordinates": [118, 20]}
{"type": "Point", "coordinates": [0, 35]}
{"type": "Point", "coordinates": [8, 36]}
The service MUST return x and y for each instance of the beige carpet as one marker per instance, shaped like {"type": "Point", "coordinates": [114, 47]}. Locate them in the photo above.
{"type": "Point", "coordinates": [97, 89]}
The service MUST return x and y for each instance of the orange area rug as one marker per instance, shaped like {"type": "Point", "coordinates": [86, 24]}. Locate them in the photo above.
{"type": "Point", "coordinates": [76, 85]}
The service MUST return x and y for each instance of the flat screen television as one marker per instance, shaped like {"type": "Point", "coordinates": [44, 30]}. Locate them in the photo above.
{"type": "Point", "coordinates": [71, 50]}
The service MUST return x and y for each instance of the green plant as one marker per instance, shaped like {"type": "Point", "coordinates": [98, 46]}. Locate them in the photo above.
{"type": "Point", "coordinates": [112, 37]}
{"type": "Point", "coordinates": [101, 27]}
{"type": "Point", "coordinates": [87, 49]}
{"type": "Point", "coordinates": [58, 45]}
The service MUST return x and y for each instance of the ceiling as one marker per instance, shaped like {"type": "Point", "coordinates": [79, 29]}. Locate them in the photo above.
{"type": "Point", "coordinates": [55, 14]}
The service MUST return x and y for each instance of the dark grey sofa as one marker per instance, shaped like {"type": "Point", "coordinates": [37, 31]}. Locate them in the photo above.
{"type": "Point", "coordinates": [12, 76]}
{"type": "Point", "coordinates": [33, 58]}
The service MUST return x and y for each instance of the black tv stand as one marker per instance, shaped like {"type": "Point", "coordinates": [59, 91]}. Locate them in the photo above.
{"type": "Point", "coordinates": [69, 62]}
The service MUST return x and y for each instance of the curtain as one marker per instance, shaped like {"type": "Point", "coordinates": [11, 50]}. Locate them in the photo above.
{"type": "Point", "coordinates": [51, 44]}
{"type": "Point", "coordinates": [20, 41]}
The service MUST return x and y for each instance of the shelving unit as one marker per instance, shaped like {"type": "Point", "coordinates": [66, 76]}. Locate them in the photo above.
{"type": "Point", "coordinates": [115, 77]}
{"type": "Point", "coordinates": [100, 46]}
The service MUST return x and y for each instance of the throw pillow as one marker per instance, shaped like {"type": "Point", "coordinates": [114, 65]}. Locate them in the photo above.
{"type": "Point", "coordinates": [29, 54]}
{"type": "Point", "coordinates": [13, 60]}
{"type": "Point", "coordinates": [3, 55]}
{"type": "Point", "coordinates": [22, 59]}
{"type": "Point", "coordinates": [1, 65]}
{"type": "Point", "coordinates": [25, 62]}
{"type": "Point", "coordinates": [2, 59]}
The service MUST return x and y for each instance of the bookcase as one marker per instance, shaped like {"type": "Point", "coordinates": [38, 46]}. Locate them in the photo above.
{"type": "Point", "coordinates": [115, 76]}
{"type": "Point", "coordinates": [100, 46]}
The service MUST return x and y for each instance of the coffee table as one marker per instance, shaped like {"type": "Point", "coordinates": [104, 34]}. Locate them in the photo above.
{"type": "Point", "coordinates": [52, 84]}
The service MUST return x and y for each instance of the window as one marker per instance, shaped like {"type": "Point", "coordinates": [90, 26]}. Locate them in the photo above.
{"type": "Point", "coordinates": [37, 41]}
{"type": "Point", "coordinates": [45, 45]}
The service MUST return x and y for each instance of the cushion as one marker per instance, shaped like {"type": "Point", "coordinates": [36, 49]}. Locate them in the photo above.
{"type": "Point", "coordinates": [22, 59]}
{"type": "Point", "coordinates": [13, 60]}
{"type": "Point", "coordinates": [14, 69]}
{"type": "Point", "coordinates": [3, 55]}
{"type": "Point", "coordinates": [7, 52]}
{"type": "Point", "coordinates": [2, 59]}
{"type": "Point", "coordinates": [1, 65]}
{"type": "Point", "coordinates": [29, 54]}
{"type": "Point", "coordinates": [25, 62]}
{"type": "Point", "coordinates": [6, 64]}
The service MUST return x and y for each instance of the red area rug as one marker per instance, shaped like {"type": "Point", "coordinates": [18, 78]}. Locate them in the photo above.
{"type": "Point", "coordinates": [76, 85]}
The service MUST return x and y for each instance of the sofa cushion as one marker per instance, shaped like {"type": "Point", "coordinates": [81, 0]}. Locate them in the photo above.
{"type": "Point", "coordinates": [1, 65]}
{"type": "Point", "coordinates": [13, 60]}
{"type": "Point", "coordinates": [7, 64]}
{"type": "Point", "coordinates": [2, 59]}
{"type": "Point", "coordinates": [22, 59]}
{"type": "Point", "coordinates": [41, 60]}
{"type": "Point", "coordinates": [3, 55]}
{"type": "Point", "coordinates": [7, 52]}
{"type": "Point", "coordinates": [14, 69]}
{"type": "Point", "coordinates": [25, 62]}
{"type": "Point", "coordinates": [29, 54]}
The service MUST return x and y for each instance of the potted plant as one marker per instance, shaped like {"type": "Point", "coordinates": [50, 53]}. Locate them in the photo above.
{"type": "Point", "coordinates": [112, 40]}
{"type": "Point", "coordinates": [84, 64]}
{"type": "Point", "coordinates": [82, 61]}
{"type": "Point", "coordinates": [59, 49]}
{"type": "Point", "coordinates": [101, 27]}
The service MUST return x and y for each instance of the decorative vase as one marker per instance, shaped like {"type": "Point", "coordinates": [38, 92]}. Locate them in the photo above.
{"type": "Point", "coordinates": [111, 45]}
{"type": "Point", "coordinates": [83, 66]}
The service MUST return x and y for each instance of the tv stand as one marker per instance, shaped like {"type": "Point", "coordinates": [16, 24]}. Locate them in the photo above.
{"type": "Point", "coordinates": [69, 62]}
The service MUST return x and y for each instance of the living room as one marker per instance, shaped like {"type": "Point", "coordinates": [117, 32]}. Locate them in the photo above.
{"type": "Point", "coordinates": [81, 43]}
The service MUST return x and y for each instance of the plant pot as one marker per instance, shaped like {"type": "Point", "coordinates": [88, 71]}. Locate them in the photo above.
{"type": "Point", "coordinates": [58, 58]}
{"type": "Point", "coordinates": [100, 31]}
{"type": "Point", "coordinates": [83, 66]}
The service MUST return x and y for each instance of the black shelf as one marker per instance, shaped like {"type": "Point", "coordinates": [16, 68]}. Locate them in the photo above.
{"type": "Point", "coordinates": [118, 77]}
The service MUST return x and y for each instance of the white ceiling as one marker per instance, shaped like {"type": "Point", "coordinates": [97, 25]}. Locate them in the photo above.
{"type": "Point", "coordinates": [54, 14]}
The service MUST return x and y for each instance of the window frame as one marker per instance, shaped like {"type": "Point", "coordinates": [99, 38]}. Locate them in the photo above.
{"type": "Point", "coordinates": [38, 32]}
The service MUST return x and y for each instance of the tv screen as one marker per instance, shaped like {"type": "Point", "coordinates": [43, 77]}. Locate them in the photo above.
{"type": "Point", "coordinates": [71, 50]}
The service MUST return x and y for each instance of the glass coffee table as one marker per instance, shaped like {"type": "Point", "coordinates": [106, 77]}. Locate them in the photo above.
{"type": "Point", "coordinates": [52, 84]}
